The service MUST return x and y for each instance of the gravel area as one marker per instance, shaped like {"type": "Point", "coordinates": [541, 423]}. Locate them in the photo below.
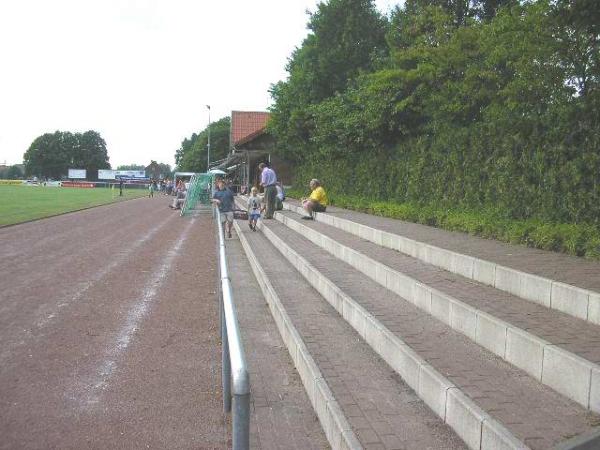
{"type": "Point", "coordinates": [109, 331]}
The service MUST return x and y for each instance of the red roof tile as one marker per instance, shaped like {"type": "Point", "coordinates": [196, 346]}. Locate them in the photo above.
{"type": "Point", "coordinates": [247, 124]}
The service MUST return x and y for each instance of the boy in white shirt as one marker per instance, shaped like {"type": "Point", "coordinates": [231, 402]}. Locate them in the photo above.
{"type": "Point", "coordinates": [255, 207]}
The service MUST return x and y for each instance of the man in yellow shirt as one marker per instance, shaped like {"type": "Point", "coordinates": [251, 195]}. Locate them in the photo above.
{"type": "Point", "coordinates": [317, 201]}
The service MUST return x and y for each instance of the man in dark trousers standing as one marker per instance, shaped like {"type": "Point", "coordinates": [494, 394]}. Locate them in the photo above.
{"type": "Point", "coordinates": [120, 187]}
{"type": "Point", "coordinates": [268, 180]}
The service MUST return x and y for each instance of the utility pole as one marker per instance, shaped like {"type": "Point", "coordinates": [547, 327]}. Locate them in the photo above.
{"type": "Point", "coordinates": [208, 146]}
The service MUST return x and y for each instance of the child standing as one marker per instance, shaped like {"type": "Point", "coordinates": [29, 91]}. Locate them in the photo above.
{"type": "Point", "coordinates": [151, 188]}
{"type": "Point", "coordinates": [254, 208]}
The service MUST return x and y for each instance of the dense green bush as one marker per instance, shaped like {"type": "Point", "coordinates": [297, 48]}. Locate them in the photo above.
{"type": "Point", "coordinates": [573, 239]}
{"type": "Point", "coordinates": [477, 111]}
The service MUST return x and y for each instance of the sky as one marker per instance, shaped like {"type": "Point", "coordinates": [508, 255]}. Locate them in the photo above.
{"type": "Point", "coordinates": [140, 72]}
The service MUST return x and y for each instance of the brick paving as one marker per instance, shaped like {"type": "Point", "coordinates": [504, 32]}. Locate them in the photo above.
{"type": "Point", "coordinates": [536, 414]}
{"type": "Point", "coordinates": [572, 334]}
{"type": "Point", "coordinates": [282, 416]}
{"type": "Point", "coordinates": [383, 411]}
{"type": "Point", "coordinates": [568, 269]}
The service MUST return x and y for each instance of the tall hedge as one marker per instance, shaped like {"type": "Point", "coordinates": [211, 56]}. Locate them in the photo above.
{"type": "Point", "coordinates": [490, 111]}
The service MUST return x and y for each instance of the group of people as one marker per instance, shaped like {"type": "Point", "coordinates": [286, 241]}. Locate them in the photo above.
{"type": "Point", "coordinates": [166, 186]}
{"type": "Point", "coordinates": [272, 201]}
{"type": "Point", "coordinates": [169, 186]}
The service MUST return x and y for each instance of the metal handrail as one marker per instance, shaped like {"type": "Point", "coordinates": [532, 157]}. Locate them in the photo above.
{"type": "Point", "coordinates": [235, 376]}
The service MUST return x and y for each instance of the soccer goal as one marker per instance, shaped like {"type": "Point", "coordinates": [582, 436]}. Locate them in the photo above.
{"type": "Point", "coordinates": [198, 195]}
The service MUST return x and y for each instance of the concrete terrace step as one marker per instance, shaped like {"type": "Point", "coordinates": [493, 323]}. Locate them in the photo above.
{"type": "Point", "coordinates": [565, 283]}
{"type": "Point", "coordinates": [490, 390]}
{"type": "Point", "coordinates": [359, 400]}
{"type": "Point", "coordinates": [281, 413]}
{"type": "Point", "coordinates": [555, 348]}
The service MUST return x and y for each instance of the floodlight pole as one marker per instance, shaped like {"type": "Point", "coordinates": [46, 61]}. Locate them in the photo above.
{"type": "Point", "coordinates": [208, 146]}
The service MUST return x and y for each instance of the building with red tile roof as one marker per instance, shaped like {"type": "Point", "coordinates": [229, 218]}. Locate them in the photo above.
{"type": "Point", "coordinates": [246, 126]}
{"type": "Point", "coordinates": [250, 145]}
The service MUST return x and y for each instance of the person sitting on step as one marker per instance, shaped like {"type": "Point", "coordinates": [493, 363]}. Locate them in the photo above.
{"type": "Point", "coordinates": [317, 201]}
{"type": "Point", "coordinates": [179, 200]}
{"type": "Point", "coordinates": [280, 197]}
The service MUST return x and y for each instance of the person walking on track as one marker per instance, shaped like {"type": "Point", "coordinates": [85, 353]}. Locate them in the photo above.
{"type": "Point", "coordinates": [151, 188]}
{"type": "Point", "coordinates": [268, 180]}
{"type": "Point", "coordinates": [223, 197]}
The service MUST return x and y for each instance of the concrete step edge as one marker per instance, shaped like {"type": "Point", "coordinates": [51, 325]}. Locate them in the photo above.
{"type": "Point", "coordinates": [337, 429]}
{"type": "Point", "coordinates": [563, 371]}
{"type": "Point", "coordinates": [474, 426]}
{"type": "Point", "coordinates": [569, 299]}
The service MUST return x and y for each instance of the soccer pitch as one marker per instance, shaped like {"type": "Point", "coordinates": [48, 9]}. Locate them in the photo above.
{"type": "Point", "coordinates": [23, 203]}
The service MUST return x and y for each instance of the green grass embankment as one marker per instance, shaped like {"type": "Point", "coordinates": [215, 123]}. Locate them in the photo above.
{"type": "Point", "coordinates": [23, 203]}
{"type": "Point", "coordinates": [573, 239]}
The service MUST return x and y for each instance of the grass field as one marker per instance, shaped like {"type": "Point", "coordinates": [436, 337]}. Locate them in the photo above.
{"type": "Point", "coordinates": [23, 203]}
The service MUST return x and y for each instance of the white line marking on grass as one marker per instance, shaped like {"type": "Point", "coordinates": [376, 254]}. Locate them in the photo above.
{"type": "Point", "coordinates": [134, 318]}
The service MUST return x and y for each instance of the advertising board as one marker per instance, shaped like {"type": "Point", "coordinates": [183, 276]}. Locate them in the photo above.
{"type": "Point", "coordinates": [131, 173]}
{"type": "Point", "coordinates": [107, 174]}
{"type": "Point", "coordinates": [77, 173]}
{"type": "Point", "coordinates": [77, 184]}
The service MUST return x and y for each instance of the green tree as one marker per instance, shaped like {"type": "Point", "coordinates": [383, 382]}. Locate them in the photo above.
{"type": "Point", "coordinates": [131, 167]}
{"type": "Point", "coordinates": [192, 155]}
{"type": "Point", "coordinates": [186, 146]}
{"type": "Point", "coordinates": [346, 38]}
{"type": "Point", "coordinates": [49, 155]}
{"type": "Point", "coordinates": [462, 10]}
{"type": "Point", "coordinates": [487, 9]}
{"type": "Point", "coordinates": [578, 35]}
{"type": "Point", "coordinates": [459, 10]}
{"type": "Point", "coordinates": [485, 104]}
{"type": "Point", "coordinates": [93, 152]}
{"type": "Point", "coordinates": [52, 154]}
{"type": "Point", "coordinates": [165, 170]}
{"type": "Point", "coordinates": [152, 170]}
{"type": "Point", "coordinates": [14, 173]}
{"type": "Point", "coordinates": [158, 170]}
{"type": "Point", "coordinates": [11, 173]}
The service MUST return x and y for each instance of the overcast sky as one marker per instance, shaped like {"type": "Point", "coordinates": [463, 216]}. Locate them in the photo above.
{"type": "Point", "coordinates": [140, 72]}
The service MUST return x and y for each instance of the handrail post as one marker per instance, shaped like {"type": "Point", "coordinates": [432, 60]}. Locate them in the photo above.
{"type": "Point", "coordinates": [241, 421]}
{"type": "Point", "coordinates": [225, 364]}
